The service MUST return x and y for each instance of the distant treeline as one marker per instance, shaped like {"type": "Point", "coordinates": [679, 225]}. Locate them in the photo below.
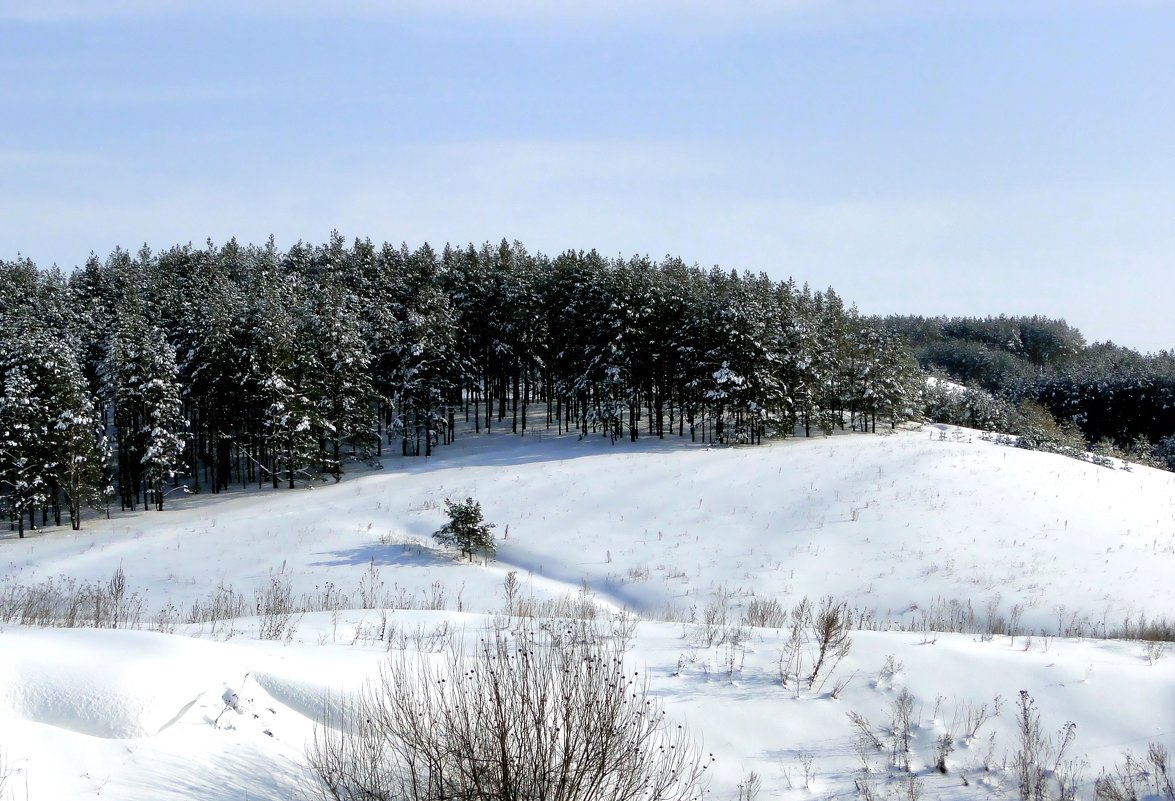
{"type": "Point", "coordinates": [1102, 396]}
{"type": "Point", "coordinates": [245, 364]}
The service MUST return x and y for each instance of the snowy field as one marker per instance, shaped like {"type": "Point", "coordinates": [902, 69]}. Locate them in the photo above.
{"type": "Point", "coordinates": [915, 532]}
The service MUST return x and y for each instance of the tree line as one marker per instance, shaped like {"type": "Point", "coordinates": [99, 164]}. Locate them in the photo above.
{"type": "Point", "coordinates": [243, 364]}
{"type": "Point", "coordinates": [1037, 378]}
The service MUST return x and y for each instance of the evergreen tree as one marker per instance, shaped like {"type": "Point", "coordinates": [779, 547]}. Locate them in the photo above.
{"type": "Point", "coordinates": [163, 422]}
{"type": "Point", "coordinates": [281, 373]}
{"type": "Point", "coordinates": [141, 381]}
{"type": "Point", "coordinates": [423, 359]}
{"type": "Point", "coordinates": [213, 355]}
{"type": "Point", "coordinates": [52, 441]}
{"type": "Point", "coordinates": [347, 399]}
{"type": "Point", "coordinates": [84, 451]}
{"type": "Point", "coordinates": [78, 451]}
{"type": "Point", "coordinates": [24, 433]}
{"type": "Point", "coordinates": [466, 528]}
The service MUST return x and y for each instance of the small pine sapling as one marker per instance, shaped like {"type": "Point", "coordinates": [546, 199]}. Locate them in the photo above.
{"type": "Point", "coordinates": [466, 528]}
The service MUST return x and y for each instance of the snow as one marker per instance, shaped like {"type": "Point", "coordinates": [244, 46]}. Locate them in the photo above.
{"type": "Point", "coordinates": [897, 526]}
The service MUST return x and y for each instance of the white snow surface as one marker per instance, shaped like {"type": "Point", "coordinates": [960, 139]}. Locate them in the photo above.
{"type": "Point", "coordinates": [895, 525]}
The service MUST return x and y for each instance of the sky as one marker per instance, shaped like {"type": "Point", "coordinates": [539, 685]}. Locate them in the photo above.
{"type": "Point", "coordinates": [919, 156]}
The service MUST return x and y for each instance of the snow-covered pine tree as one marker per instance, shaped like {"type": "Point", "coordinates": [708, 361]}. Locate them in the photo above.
{"type": "Point", "coordinates": [45, 401]}
{"type": "Point", "coordinates": [290, 433]}
{"type": "Point", "coordinates": [342, 383]}
{"type": "Point", "coordinates": [163, 426]}
{"type": "Point", "coordinates": [466, 528]}
{"type": "Point", "coordinates": [84, 452]}
{"type": "Point", "coordinates": [77, 438]}
{"type": "Point", "coordinates": [424, 367]}
{"type": "Point", "coordinates": [142, 382]}
{"type": "Point", "coordinates": [24, 431]}
{"type": "Point", "coordinates": [212, 356]}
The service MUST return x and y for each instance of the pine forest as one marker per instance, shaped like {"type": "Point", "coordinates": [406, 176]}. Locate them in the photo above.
{"type": "Point", "coordinates": [198, 369]}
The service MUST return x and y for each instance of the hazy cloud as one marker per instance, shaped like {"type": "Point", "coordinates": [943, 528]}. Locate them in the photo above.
{"type": "Point", "coordinates": [715, 17]}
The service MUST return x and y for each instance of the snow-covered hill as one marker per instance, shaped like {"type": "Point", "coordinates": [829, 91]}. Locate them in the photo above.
{"type": "Point", "coordinates": [919, 530]}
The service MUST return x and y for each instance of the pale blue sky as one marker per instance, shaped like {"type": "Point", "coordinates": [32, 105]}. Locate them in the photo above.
{"type": "Point", "coordinates": [924, 156]}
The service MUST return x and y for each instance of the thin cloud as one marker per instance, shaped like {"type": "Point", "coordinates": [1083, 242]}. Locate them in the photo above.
{"type": "Point", "coordinates": [694, 15]}
{"type": "Point", "coordinates": [16, 159]}
{"type": "Point", "coordinates": [59, 10]}
{"type": "Point", "coordinates": [750, 10]}
{"type": "Point", "coordinates": [83, 10]}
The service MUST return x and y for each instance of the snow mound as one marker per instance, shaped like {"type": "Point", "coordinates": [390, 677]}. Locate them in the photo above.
{"type": "Point", "coordinates": [110, 684]}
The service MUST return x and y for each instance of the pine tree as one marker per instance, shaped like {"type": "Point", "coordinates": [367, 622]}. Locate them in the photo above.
{"type": "Point", "coordinates": [466, 529]}
{"type": "Point", "coordinates": [281, 373]}
{"type": "Point", "coordinates": [141, 381]}
{"type": "Point", "coordinates": [163, 422]}
{"type": "Point", "coordinates": [212, 355]}
{"type": "Point", "coordinates": [77, 452]}
{"type": "Point", "coordinates": [24, 432]}
{"type": "Point", "coordinates": [340, 377]}
{"type": "Point", "coordinates": [423, 361]}
{"type": "Point", "coordinates": [84, 452]}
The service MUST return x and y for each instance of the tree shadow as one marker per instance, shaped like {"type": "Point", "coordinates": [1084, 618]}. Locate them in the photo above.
{"type": "Point", "coordinates": [32, 533]}
{"type": "Point", "coordinates": [231, 776]}
{"type": "Point", "coordinates": [506, 449]}
{"type": "Point", "coordinates": [396, 554]}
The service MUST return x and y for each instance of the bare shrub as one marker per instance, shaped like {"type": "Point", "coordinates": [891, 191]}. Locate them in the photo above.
{"type": "Point", "coordinates": [221, 605]}
{"type": "Point", "coordinates": [807, 767]}
{"type": "Point", "coordinates": [1160, 762]}
{"type": "Point", "coordinates": [327, 597]}
{"type": "Point", "coordinates": [830, 629]}
{"type": "Point", "coordinates": [510, 586]}
{"type": "Point", "coordinates": [749, 787]}
{"type": "Point", "coordinates": [865, 731]}
{"type": "Point", "coordinates": [765, 613]}
{"type": "Point", "coordinates": [436, 599]}
{"type": "Point", "coordinates": [432, 641]}
{"type": "Point", "coordinates": [791, 658]}
{"type": "Point", "coordinates": [839, 686]}
{"type": "Point", "coordinates": [1159, 630]}
{"type": "Point", "coordinates": [817, 640]}
{"type": "Point", "coordinates": [116, 589]}
{"type": "Point", "coordinates": [276, 614]}
{"type": "Point", "coordinates": [960, 616]}
{"type": "Point", "coordinates": [911, 788]}
{"type": "Point", "coordinates": [548, 713]}
{"type": "Point", "coordinates": [623, 626]}
{"type": "Point", "coordinates": [1038, 759]}
{"type": "Point", "coordinates": [165, 619]}
{"type": "Point", "coordinates": [943, 747]}
{"type": "Point", "coordinates": [716, 618]}
{"type": "Point", "coordinates": [580, 605]}
{"type": "Point", "coordinates": [371, 588]}
{"type": "Point", "coordinates": [1148, 778]}
{"type": "Point", "coordinates": [1126, 783]}
{"type": "Point", "coordinates": [970, 718]}
{"type": "Point", "coordinates": [901, 727]}
{"type": "Point", "coordinates": [65, 602]}
{"type": "Point", "coordinates": [1029, 759]}
{"type": "Point", "coordinates": [889, 671]}
{"type": "Point", "coordinates": [866, 789]}
{"type": "Point", "coordinates": [866, 742]}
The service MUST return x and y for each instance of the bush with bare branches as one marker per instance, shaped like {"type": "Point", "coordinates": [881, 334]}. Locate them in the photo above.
{"type": "Point", "coordinates": [1148, 778]}
{"type": "Point", "coordinates": [817, 641]}
{"type": "Point", "coordinates": [546, 711]}
{"type": "Point", "coordinates": [1043, 769]}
